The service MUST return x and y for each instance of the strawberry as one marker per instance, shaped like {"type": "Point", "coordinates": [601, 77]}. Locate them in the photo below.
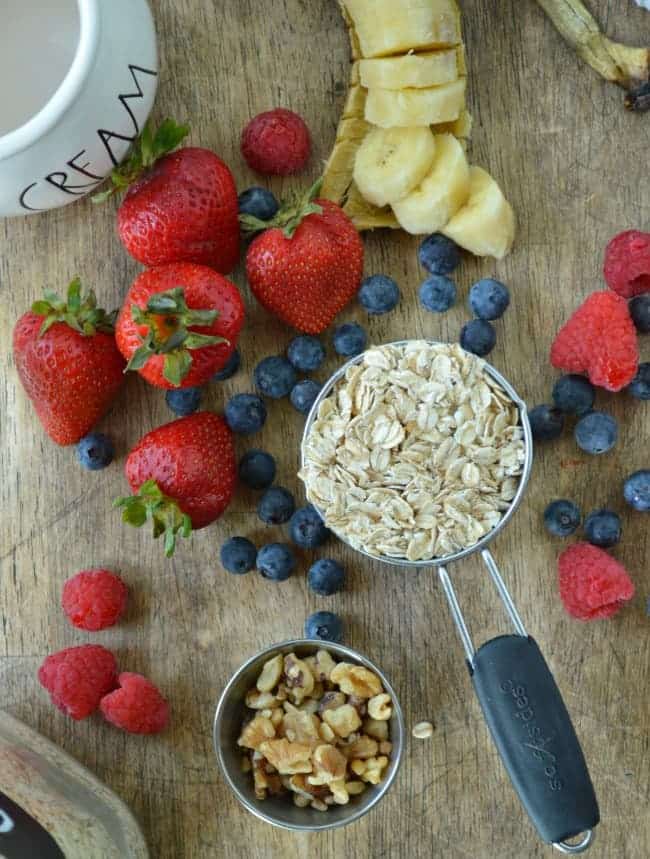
{"type": "Point", "coordinates": [179, 324]}
{"type": "Point", "coordinates": [183, 476]}
{"type": "Point", "coordinates": [179, 206]}
{"type": "Point", "coordinates": [67, 362]}
{"type": "Point", "coordinates": [307, 264]}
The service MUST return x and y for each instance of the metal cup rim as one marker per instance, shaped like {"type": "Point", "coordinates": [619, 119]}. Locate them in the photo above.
{"type": "Point", "coordinates": [523, 480]}
{"type": "Point", "coordinates": [358, 810]}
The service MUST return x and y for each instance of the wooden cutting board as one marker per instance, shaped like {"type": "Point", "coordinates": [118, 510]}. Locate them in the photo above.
{"type": "Point", "coordinates": [574, 165]}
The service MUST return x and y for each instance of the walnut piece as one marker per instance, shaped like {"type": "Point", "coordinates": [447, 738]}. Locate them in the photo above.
{"type": "Point", "coordinates": [256, 732]}
{"type": "Point", "coordinates": [375, 729]}
{"type": "Point", "coordinates": [301, 727]}
{"type": "Point", "coordinates": [329, 765]}
{"type": "Point", "coordinates": [288, 758]}
{"type": "Point", "coordinates": [374, 768]}
{"type": "Point", "coordinates": [260, 700]}
{"type": "Point", "coordinates": [299, 678]}
{"type": "Point", "coordinates": [330, 701]}
{"type": "Point", "coordinates": [379, 708]}
{"type": "Point", "coordinates": [356, 680]}
{"type": "Point", "coordinates": [343, 721]}
{"type": "Point", "coordinates": [364, 747]}
{"type": "Point", "coordinates": [271, 673]}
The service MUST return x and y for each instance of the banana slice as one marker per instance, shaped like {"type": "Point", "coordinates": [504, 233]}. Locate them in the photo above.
{"type": "Point", "coordinates": [407, 107]}
{"type": "Point", "coordinates": [412, 70]}
{"type": "Point", "coordinates": [486, 223]}
{"type": "Point", "coordinates": [385, 27]}
{"type": "Point", "coordinates": [442, 192]}
{"type": "Point", "coordinates": [460, 128]}
{"type": "Point", "coordinates": [391, 162]}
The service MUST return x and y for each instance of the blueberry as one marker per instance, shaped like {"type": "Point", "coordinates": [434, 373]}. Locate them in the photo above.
{"type": "Point", "coordinates": [349, 339]}
{"type": "Point", "coordinates": [258, 202]}
{"type": "Point", "coordinates": [95, 451]}
{"type": "Point", "coordinates": [637, 490]}
{"type": "Point", "coordinates": [640, 312]}
{"type": "Point", "coordinates": [326, 577]}
{"type": "Point", "coordinates": [183, 401]}
{"type": "Point", "coordinates": [603, 528]}
{"type": "Point", "coordinates": [324, 625]}
{"type": "Point", "coordinates": [379, 294]}
{"type": "Point", "coordinates": [307, 529]}
{"type": "Point", "coordinates": [546, 422]}
{"type": "Point", "coordinates": [561, 518]}
{"type": "Point", "coordinates": [489, 299]}
{"type": "Point", "coordinates": [245, 413]}
{"type": "Point", "coordinates": [574, 395]}
{"type": "Point", "coordinates": [437, 293]}
{"type": "Point", "coordinates": [596, 432]}
{"type": "Point", "coordinates": [274, 377]}
{"type": "Point", "coordinates": [303, 395]}
{"type": "Point", "coordinates": [257, 469]}
{"type": "Point", "coordinates": [640, 385]}
{"type": "Point", "coordinates": [478, 337]}
{"type": "Point", "coordinates": [276, 506]}
{"type": "Point", "coordinates": [229, 368]}
{"type": "Point", "coordinates": [438, 254]}
{"type": "Point", "coordinates": [238, 555]}
{"type": "Point", "coordinates": [276, 561]}
{"type": "Point", "coordinates": [306, 353]}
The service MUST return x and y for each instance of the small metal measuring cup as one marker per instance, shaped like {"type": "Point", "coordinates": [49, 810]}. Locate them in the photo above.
{"type": "Point", "coordinates": [521, 703]}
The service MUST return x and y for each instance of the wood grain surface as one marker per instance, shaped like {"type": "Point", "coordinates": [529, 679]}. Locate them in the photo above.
{"type": "Point", "coordinates": [575, 166]}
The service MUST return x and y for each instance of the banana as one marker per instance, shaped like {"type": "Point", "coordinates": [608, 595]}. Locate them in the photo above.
{"type": "Point", "coordinates": [461, 128]}
{"type": "Point", "coordinates": [385, 27]}
{"type": "Point", "coordinates": [441, 193]}
{"type": "Point", "coordinates": [412, 70]}
{"type": "Point", "coordinates": [407, 107]}
{"type": "Point", "coordinates": [485, 225]}
{"type": "Point", "coordinates": [391, 162]}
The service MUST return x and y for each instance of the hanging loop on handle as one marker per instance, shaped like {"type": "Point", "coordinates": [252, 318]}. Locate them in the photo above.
{"type": "Point", "coordinates": [530, 725]}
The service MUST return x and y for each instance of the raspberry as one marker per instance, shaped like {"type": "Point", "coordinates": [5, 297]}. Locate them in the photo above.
{"type": "Point", "coordinates": [94, 599]}
{"type": "Point", "coordinates": [600, 340]}
{"type": "Point", "coordinates": [627, 263]}
{"type": "Point", "coordinates": [137, 706]}
{"type": "Point", "coordinates": [78, 678]}
{"type": "Point", "coordinates": [592, 583]}
{"type": "Point", "coordinates": [276, 143]}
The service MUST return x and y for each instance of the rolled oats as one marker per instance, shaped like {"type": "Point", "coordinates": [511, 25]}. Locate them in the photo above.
{"type": "Point", "coordinates": [416, 454]}
{"type": "Point", "coordinates": [316, 739]}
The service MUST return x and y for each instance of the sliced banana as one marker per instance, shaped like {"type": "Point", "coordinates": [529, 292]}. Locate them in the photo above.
{"type": "Point", "coordinates": [460, 128]}
{"type": "Point", "coordinates": [485, 225]}
{"type": "Point", "coordinates": [412, 70]}
{"type": "Point", "coordinates": [407, 107]}
{"type": "Point", "coordinates": [391, 162]}
{"type": "Point", "coordinates": [441, 193]}
{"type": "Point", "coordinates": [385, 27]}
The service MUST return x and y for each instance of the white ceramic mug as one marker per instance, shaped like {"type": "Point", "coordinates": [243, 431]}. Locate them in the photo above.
{"type": "Point", "coordinates": [77, 82]}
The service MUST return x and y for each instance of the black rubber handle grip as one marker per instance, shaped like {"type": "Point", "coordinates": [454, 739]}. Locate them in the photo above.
{"type": "Point", "coordinates": [534, 735]}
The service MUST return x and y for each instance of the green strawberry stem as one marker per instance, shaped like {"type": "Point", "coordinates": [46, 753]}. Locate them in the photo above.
{"type": "Point", "coordinates": [79, 312]}
{"type": "Point", "coordinates": [290, 215]}
{"type": "Point", "coordinates": [168, 319]}
{"type": "Point", "coordinates": [150, 504]}
{"type": "Point", "coordinates": [144, 153]}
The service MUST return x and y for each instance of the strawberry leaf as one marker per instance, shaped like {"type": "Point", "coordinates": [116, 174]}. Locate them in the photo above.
{"type": "Point", "coordinates": [176, 367]}
{"type": "Point", "coordinates": [78, 312]}
{"type": "Point", "coordinates": [289, 217]}
{"type": "Point", "coordinates": [150, 504]}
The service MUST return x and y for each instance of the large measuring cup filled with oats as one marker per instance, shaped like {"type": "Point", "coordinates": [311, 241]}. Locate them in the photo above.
{"type": "Point", "coordinates": [417, 453]}
{"type": "Point", "coordinates": [53, 808]}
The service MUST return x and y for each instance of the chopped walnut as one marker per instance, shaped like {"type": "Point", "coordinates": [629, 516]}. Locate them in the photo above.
{"type": "Point", "coordinates": [276, 717]}
{"type": "Point", "coordinates": [379, 707]}
{"type": "Point", "coordinates": [343, 721]}
{"type": "Point", "coordinates": [326, 733]}
{"type": "Point", "coordinates": [299, 678]}
{"type": "Point", "coordinates": [329, 765]}
{"type": "Point", "coordinates": [286, 757]}
{"type": "Point", "coordinates": [374, 769]}
{"type": "Point", "coordinates": [283, 693]}
{"type": "Point", "coordinates": [364, 747]}
{"type": "Point", "coordinates": [318, 805]}
{"type": "Point", "coordinates": [310, 706]}
{"type": "Point", "coordinates": [301, 800]}
{"type": "Point", "coordinates": [339, 792]}
{"type": "Point", "coordinates": [356, 680]}
{"type": "Point", "coordinates": [325, 664]}
{"type": "Point", "coordinates": [260, 700]}
{"type": "Point", "coordinates": [271, 674]}
{"type": "Point", "coordinates": [358, 767]}
{"type": "Point", "coordinates": [330, 701]}
{"type": "Point", "coordinates": [301, 727]}
{"type": "Point", "coordinates": [261, 782]}
{"type": "Point", "coordinates": [359, 704]}
{"type": "Point", "coordinates": [354, 788]}
{"type": "Point", "coordinates": [377, 730]}
{"type": "Point", "coordinates": [385, 748]}
{"type": "Point", "coordinates": [256, 732]}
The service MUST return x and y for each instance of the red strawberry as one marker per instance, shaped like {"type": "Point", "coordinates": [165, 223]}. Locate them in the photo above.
{"type": "Point", "coordinates": [179, 207]}
{"type": "Point", "coordinates": [68, 362]}
{"type": "Point", "coordinates": [600, 340]}
{"type": "Point", "coordinates": [308, 265]}
{"type": "Point", "coordinates": [179, 324]}
{"type": "Point", "coordinates": [183, 475]}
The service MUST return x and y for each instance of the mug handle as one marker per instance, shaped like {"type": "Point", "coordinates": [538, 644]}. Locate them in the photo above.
{"type": "Point", "coordinates": [530, 726]}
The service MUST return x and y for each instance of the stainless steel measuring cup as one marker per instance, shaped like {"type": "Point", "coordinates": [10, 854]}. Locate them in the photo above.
{"type": "Point", "coordinates": [521, 702]}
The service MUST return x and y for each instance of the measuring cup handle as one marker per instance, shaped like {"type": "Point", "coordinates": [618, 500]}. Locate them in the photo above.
{"type": "Point", "coordinates": [534, 735]}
